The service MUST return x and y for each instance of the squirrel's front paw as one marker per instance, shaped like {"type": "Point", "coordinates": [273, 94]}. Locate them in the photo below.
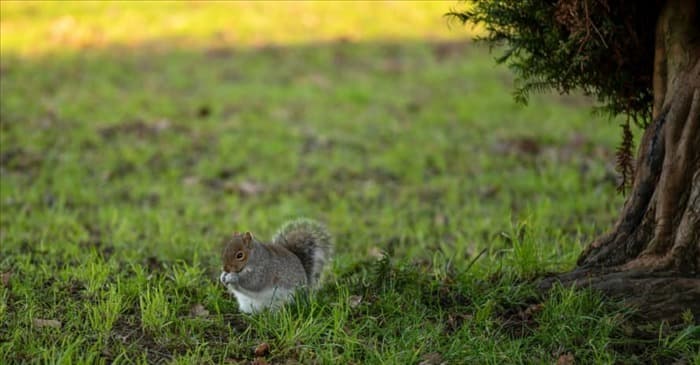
{"type": "Point", "coordinates": [228, 278]}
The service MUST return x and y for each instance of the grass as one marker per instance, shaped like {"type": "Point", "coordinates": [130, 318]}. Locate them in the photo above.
{"type": "Point", "coordinates": [135, 137]}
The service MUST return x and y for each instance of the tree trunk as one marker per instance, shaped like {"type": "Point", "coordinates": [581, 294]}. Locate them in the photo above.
{"type": "Point", "coordinates": [651, 257]}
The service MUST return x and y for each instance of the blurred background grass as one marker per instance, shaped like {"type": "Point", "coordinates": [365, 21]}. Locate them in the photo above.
{"type": "Point", "coordinates": [160, 126]}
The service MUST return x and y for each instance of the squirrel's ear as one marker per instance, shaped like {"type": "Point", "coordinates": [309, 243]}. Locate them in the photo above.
{"type": "Point", "coordinates": [247, 238]}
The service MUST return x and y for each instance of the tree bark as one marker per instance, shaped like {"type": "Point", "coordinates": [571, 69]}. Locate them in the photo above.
{"type": "Point", "coordinates": [651, 257]}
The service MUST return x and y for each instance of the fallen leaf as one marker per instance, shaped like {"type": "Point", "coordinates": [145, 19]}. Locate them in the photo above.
{"type": "Point", "coordinates": [121, 338]}
{"type": "Point", "coordinates": [198, 310]}
{"type": "Point", "coordinates": [161, 125]}
{"type": "Point", "coordinates": [440, 220]}
{"type": "Point", "coordinates": [518, 146]}
{"type": "Point", "coordinates": [566, 359]}
{"type": "Point", "coordinates": [262, 349]}
{"type": "Point", "coordinates": [190, 180]}
{"type": "Point", "coordinates": [454, 321]}
{"type": "Point", "coordinates": [375, 252]}
{"type": "Point", "coordinates": [249, 188]}
{"type": "Point", "coordinates": [531, 310]}
{"type": "Point", "coordinates": [432, 358]}
{"type": "Point", "coordinates": [489, 191]}
{"type": "Point", "coordinates": [354, 300]}
{"type": "Point", "coordinates": [5, 278]}
{"type": "Point", "coordinates": [259, 361]}
{"type": "Point", "coordinates": [46, 323]}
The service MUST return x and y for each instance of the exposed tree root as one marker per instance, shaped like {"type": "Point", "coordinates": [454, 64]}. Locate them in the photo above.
{"type": "Point", "coordinates": [655, 296]}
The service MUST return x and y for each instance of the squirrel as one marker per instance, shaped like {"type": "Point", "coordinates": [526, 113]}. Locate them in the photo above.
{"type": "Point", "coordinates": [265, 275]}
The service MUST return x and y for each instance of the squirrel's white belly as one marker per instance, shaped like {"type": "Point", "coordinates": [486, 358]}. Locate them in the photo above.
{"type": "Point", "coordinates": [255, 302]}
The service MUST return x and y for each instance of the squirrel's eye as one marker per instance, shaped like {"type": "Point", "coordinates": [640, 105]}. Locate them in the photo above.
{"type": "Point", "coordinates": [240, 255]}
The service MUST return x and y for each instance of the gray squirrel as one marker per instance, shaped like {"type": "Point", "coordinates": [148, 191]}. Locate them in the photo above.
{"type": "Point", "coordinates": [265, 275]}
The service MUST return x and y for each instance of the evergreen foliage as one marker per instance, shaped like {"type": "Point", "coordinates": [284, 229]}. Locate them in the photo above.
{"type": "Point", "coordinates": [603, 47]}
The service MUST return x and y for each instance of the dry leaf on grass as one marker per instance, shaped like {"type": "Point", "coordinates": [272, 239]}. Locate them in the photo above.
{"type": "Point", "coordinates": [432, 358]}
{"type": "Point", "coordinates": [39, 323]}
{"type": "Point", "coordinates": [354, 300]}
{"type": "Point", "coordinates": [531, 310]}
{"type": "Point", "coordinates": [440, 220]}
{"type": "Point", "coordinates": [375, 252]}
{"type": "Point", "coordinates": [262, 349]}
{"type": "Point", "coordinates": [250, 188]}
{"type": "Point", "coordinates": [198, 310]}
{"type": "Point", "coordinates": [259, 361]}
{"type": "Point", "coordinates": [5, 278]}
{"type": "Point", "coordinates": [190, 180]}
{"type": "Point", "coordinates": [566, 359]}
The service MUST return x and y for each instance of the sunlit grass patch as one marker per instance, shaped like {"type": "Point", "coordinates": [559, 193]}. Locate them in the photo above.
{"type": "Point", "coordinates": [185, 276]}
{"type": "Point", "coordinates": [106, 311]}
{"type": "Point", "coordinates": [156, 309]}
{"type": "Point", "coordinates": [38, 27]}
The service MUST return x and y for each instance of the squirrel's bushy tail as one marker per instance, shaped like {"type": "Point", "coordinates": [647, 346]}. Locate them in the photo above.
{"type": "Point", "coordinates": [308, 240]}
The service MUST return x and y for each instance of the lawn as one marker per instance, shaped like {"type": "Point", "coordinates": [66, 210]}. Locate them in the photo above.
{"type": "Point", "coordinates": [134, 137]}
